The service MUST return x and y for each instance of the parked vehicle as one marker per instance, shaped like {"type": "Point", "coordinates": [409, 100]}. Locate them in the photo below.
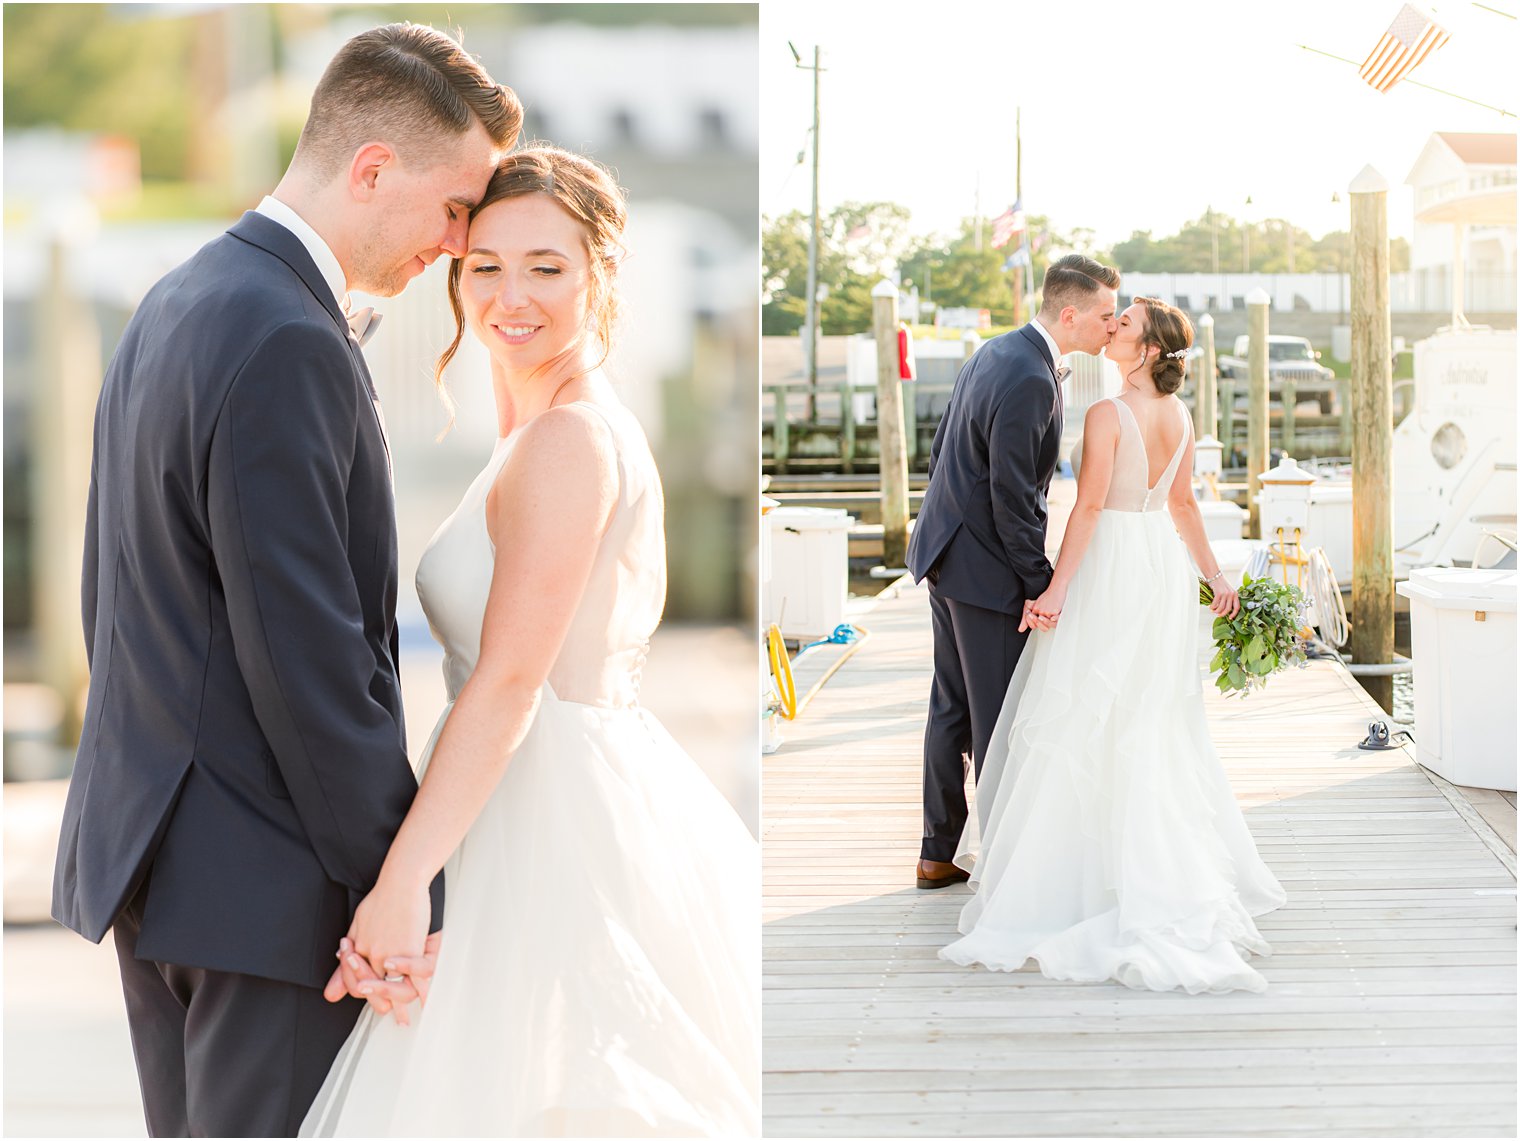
{"type": "Point", "coordinates": [1288, 358]}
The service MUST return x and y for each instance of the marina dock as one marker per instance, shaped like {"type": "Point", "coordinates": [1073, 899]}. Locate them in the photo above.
{"type": "Point", "coordinates": [1391, 1004]}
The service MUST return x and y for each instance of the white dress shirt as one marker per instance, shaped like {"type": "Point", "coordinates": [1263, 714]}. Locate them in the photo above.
{"type": "Point", "coordinates": [1055, 351]}
{"type": "Point", "coordinates": [332, 273]}
{"type": "Point", "coordinates": [321, 253]}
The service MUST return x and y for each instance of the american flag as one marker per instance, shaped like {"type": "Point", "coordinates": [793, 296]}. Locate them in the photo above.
{"type": "Point", "coordinates": [1409, 39]}
{"type": "Point", "coordinates": [1007, 224]}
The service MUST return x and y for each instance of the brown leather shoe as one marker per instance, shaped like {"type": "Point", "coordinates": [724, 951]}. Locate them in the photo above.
{"type": "Point", "coordinates": [936, 873]}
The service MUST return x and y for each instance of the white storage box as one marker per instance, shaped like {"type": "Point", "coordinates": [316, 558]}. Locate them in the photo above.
{"type": "Point", "coordinates": [809, 570]}
{"type": "Point", "coordinates": [1330, 526]}
{"type": "Point", "coordinates": [1222, 520]}
{"type": "Point", "coordinates": [1462, 628]}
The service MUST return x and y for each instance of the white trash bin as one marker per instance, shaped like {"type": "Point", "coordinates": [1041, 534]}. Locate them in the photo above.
{"type": "Point", "coordinates": [809, 570]}
{"type": "Point", "coordinates": [1462, 633]}
{"type": "Point", "coordinates": [1222, 520]}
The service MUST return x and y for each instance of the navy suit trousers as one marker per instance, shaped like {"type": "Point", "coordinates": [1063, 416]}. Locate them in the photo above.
{"type": "Point", "coordinates": [975, 651]}
{"type": "Point", "coordinates": [221, 1054]}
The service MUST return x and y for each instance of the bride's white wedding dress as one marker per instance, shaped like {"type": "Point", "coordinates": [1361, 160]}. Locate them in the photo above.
{"type": "Point", "coordinates": [1111, 845]}
{"type": "Point", "coordinates": [599, 971]}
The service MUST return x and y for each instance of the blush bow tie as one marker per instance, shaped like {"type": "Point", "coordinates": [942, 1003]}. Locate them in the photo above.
{"type": "Point", "coordinates": [362, 323]}
{"type": "Point", "coordinates": [1062, 373]}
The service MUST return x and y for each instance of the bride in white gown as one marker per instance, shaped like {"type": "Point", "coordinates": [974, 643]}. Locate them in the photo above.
{"type": "Point", "coordinates": [598, 967]}
{"type": "Point", "coordinates": [1111, 845]}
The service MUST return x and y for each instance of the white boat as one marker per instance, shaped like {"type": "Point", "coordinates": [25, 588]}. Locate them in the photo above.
{"type": "Point", "coordinates": [1453, 466]}
{"type": "Point", "coordinates": [1454, 454]}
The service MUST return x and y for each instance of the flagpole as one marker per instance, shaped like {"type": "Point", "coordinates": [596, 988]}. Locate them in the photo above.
{"type": "Point", "coordinates": [809, 330]}
{"type": "Point", "coordinates": [1028, 235]}
{"type": "Point", "coordinates": [1018, 196]}
{"type": "Point", "coordinates": [812, 278]}
{"type": "Point", "coordinates": [978, 211]}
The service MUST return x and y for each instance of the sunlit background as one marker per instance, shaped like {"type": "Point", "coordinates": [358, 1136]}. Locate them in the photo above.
{"type": "Point", "coordinates": [135, 133]}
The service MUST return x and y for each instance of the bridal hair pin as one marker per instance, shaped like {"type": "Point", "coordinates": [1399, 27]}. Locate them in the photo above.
{"type": "Point", "coordinates": [1178, 355]}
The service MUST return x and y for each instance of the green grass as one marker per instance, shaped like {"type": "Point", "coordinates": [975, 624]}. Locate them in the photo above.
{"type": "Point", "coordinates": [174, 201]}
{"type": "Point", "coordinates": [1403, 366]}
{"type": "Point", "coordinates": [930, 333]}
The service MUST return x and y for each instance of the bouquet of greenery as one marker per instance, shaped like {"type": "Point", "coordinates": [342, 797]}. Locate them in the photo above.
{"type": "Point", "coordinates": [1261, 639]}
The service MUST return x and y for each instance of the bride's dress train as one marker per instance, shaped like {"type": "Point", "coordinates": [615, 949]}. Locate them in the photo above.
{"type": "Point", "coordinates": [599, 972]}
{"type": "Point", "coordinates": [1111, 845]}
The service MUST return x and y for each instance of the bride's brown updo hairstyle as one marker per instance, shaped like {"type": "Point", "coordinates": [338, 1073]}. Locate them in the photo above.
{"type": "Point", "coordinates": [587, 192]}
{"type": "Point", "coordinates": [1168, 330]}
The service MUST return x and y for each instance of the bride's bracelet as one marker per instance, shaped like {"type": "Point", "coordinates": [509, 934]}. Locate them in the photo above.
{"type": "Point", "coordinates": [1216, 574]}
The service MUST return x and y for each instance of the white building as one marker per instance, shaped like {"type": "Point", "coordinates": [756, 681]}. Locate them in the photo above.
{"type": "Point", "coordinates": [1469, 177]}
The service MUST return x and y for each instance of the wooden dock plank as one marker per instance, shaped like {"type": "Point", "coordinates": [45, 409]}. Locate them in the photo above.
{"type": "Point", "coordinates": [1391, 1005]}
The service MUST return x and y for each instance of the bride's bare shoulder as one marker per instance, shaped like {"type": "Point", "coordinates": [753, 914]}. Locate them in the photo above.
{"type": "Point", "coordinates": [1102, 417]}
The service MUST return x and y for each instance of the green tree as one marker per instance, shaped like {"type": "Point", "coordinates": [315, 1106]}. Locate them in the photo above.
{"type": "Point", "coordinates": [1333, 253]}
{"type": "Point", "coordinates": [858, 242]}
{"type": "Point", "coordinates": [955, 274]}
{"type": "Point", "coordinates": [1191, 249]}
{"type": "Point", "coordinates": [102, 69]}
{"type": "Point", "coordinates": [783, 273]}
{"type": "Point", "coordinates": [871, 236]}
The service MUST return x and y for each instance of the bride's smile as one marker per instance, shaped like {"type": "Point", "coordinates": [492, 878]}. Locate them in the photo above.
{"type": "Point", "coordinates": [526, 285]}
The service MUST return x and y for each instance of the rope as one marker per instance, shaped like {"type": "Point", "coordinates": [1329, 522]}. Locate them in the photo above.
{"type": "Point", "coordinates": [843, 635]}
{"type": "Point", "coordinates": [1329, 606]}
{"type": "Point", "coordinates": [781, 673]}
{"type": "Point", "coordinates": [787, 704]}
{"type": "Point", "coordinates": [860, 636]}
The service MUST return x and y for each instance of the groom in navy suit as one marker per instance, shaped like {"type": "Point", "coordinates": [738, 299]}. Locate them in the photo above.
{"type": "Point", "coordinates": [980, 535]}
{"type": "Point", "coordinates": [242, 767]}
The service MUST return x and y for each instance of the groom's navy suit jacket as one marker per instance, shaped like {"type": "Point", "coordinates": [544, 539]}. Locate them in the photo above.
{"type": "Point", "coordinates": [243, 753]}
{"type": "Point", "coordinates": [981, 528]}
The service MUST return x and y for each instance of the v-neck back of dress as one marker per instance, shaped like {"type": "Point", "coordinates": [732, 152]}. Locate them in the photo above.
{"type": "Point", "coordinates": [1129, 489]}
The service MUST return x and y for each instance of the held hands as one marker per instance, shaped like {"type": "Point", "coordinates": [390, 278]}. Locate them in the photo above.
{"type": "Point", "coordinates": [409, 979]}
{"type": "Point", "coordinates": [1042, 613]}
{"type": "Point", "coordinates": [387, 956]}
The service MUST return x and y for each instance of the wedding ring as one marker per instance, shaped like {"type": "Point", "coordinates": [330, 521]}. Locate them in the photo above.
{"type": "Point", "coordinates": [395, 978]}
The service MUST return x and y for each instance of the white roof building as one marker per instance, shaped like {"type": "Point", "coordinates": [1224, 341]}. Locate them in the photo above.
{"type": "Point", "coordinates": [1464, 184]}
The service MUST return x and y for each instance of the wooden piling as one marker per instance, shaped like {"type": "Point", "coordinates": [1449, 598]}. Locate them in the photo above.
{"type": "Point", "coordinates": [847, 423]}
{"type": "Point", "coordinates": [1371, 433]}
{"type": "Point", "coordinates": [69, 374]}
{"type": "Point", "coordinates": [780, 432]}
{"type": "Point", "coordinates": [1227, 419]}
{"type": "Point", "coordinates": [1258, 304]}
{"type": "Point", "coordinates": [1343, 394]}
{"type": "Point", "coordinates": [1206, 406]}
{"type": "Point", "coordinates": [910, 424]}
{"type": "Point", "coordinates": [891, 440]}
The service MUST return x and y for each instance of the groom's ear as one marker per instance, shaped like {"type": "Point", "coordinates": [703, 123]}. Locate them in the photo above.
{"type": "Point", "coordinates": [369, 162]}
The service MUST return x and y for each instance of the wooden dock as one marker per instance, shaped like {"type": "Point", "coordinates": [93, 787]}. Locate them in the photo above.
{"type": "Point", "coordinates": [1391, 1006]}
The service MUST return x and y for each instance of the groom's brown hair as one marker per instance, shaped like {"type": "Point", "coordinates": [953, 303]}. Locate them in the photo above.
{"type": "Point", "coordinates": [410, 86]}
{"type": "Point", "coordinates": [1073, 280]}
